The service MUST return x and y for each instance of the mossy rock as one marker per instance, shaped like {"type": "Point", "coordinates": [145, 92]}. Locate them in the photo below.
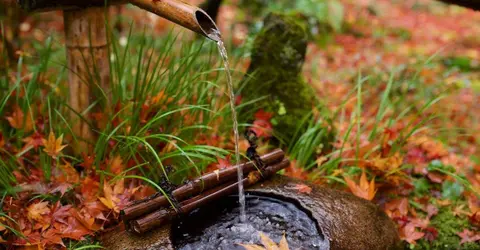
{"type": "Point", "coordinates": [447, 225]}
{"type": "Point", "coordinates": [278, 54]}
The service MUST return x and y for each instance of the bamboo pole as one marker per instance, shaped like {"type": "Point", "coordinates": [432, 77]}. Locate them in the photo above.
{"type": "Point", "coordinates": [162, 216]}
{"type": "Point", "coordinates": [88, 64]}
{"type": "Point", "coordinates": [195, 187]}
{"type": "Point", "coordinates": [179, 12]}
{"type": "Point", "coordinates": [188, 16]}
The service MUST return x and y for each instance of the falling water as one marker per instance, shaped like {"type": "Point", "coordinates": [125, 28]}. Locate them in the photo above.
{"type": "Point", "coordinates": [215, 35]}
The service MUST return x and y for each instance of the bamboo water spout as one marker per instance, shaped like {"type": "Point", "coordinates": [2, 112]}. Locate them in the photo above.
{"type": "Point", "coordinates": [183, 14]}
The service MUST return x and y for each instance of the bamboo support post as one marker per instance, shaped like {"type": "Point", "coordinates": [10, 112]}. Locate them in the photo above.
{"type": "Point", "coordinates": [88, 64]}
{"type": "Point", "coordinates": [195, 187]}
{"type": "Point", "coordinates": [165, 215]}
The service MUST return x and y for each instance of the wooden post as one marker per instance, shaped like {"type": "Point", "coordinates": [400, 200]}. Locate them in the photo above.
{"type": "Point", "coordinates": [88, 64]}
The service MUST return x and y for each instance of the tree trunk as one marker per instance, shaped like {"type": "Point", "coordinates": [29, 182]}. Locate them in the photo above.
{"type": "Point", "coordinates": [88, 64]}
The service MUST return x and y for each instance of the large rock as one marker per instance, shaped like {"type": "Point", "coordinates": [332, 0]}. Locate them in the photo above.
{"type": "Point", "coordinates": [347, 221]}
{"type": "Point", "coordinates": [277, 57]}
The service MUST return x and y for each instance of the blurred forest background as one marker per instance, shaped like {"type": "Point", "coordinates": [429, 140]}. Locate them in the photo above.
{"type": "Point", "coordinates": [395, 116]}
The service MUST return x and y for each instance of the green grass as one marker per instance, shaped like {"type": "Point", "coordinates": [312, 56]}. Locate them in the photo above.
{"type": "Point", "coordinates": [185, 71]}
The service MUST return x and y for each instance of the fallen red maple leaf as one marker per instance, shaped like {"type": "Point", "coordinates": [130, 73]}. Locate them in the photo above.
{"type": "Point", "coordinates": [301, 188]}
{"type": "Point", "coordinates": [410, 234]}
{"type": "Point", "coordinates": [262, 125]}
{"type": "Point", "coordinates": [468, 236]}
{"type": "Point", "coordinates": [35, 141]}
{"type": "Point", "coordinates": [223, 162]}
{"type": "Point", "coordinates": [18, 120]}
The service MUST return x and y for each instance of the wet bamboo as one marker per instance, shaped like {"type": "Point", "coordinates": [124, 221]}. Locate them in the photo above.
{"type": "Point", "coordinates": [196, 186]}
{"type": "Point", "coordinates": [162, 216]}
{"type": "Point", "coordinates": [188, 16]}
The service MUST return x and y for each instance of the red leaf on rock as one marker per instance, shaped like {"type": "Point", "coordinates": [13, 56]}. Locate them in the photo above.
{"type": "Point", "coordinates": [301, 188]}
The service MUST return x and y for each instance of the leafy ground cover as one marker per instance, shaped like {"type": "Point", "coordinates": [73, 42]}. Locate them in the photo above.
{"type": "Point", "coordinates": [401, 81]}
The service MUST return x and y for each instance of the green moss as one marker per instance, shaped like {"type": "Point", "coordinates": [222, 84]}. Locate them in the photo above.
{"type": "Point", "coordinates": [278, 54]}
{"type": "Point", "coordinates": [448, 225]}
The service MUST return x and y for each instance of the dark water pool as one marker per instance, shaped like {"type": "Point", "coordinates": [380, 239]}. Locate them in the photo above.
{"type": "Point", "coordinates": [217, 226]}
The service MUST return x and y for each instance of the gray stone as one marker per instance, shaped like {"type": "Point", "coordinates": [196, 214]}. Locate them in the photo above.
{"type": "Point", "coordinates": [347, 221]}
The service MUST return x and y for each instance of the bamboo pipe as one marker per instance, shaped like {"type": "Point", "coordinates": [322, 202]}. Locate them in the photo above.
{"type": "Point", "coordinates": [195, 187]}
{"type": "Point", "coordinates": [188, 16]}
{"type": "Point", "coordinates": [163, 216]}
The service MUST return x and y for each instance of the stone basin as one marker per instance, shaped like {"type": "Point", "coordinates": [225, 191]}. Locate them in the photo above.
{"type": "Point", "coordinates": [344, 220]}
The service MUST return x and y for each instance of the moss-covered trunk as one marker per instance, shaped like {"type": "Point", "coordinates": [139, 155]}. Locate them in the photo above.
{"type": "Point", "coordinates": [278, 55]}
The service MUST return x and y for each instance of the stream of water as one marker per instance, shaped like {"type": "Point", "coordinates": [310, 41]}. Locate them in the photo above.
{"type": "Point", "coordinates": [215, 35]}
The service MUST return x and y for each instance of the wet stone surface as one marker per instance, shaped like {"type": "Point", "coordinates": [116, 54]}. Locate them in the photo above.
{"type": "Point", "coordinates": [346, 221]}
{"type": "Point", "coordinates": [217, 225]}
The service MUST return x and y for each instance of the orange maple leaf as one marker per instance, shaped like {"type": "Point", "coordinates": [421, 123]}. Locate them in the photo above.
{"type": "Point", "coordinates": [110, 199]}
{"type": "Point", "coordinates": [116, 165]}
{"type": "Point", "coordinates": [36, 211]}
{"type": "Point", "coordinates": [18, 120]}
{"type": "Point", "coordinates": [365, 189]}
{"type": "Point", "coordinates": [68, 173]}
{"type": "Point", "coordinates": [386, 164]}
{"type": "Point", "coordinates": [53, 146]}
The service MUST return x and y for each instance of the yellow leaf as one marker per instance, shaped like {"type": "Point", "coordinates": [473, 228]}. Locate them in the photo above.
{"type": "Point", "coordinates": [53, 146]}
{"type": "Point", "coordinates": [283, 245]}
{"type": "Point", "coordinates": [365, 189]}
{"type": "Point", "coordinates": [119, 187]}
{"type": "Point", "coordinates": [267, 242]}
{"type": "Point", "coordinates": [109, 200]}
{"type": "Point", "coordinates": [387, 164]}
